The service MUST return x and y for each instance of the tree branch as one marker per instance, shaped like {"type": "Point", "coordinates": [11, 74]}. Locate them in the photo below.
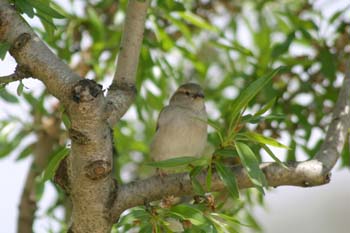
{"type": "Point", "coordinates": [122, 91]}
{"type": "Point", "coordinates": [338, 128]}
{"type": "Point", "coordinates": [31, 52]}
{"type": "Point", "coordinates": [305, 174]}
{"type": "Point", "coordinates": [20, 73]}
{"type": "Point", "coordinates": [47, 138]}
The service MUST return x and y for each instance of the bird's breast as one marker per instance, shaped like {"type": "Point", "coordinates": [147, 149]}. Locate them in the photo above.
{"type": "Point", "coordinates": [184, 135]}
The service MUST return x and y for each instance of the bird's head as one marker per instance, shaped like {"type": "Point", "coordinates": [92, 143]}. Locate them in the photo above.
{"type": "Point", "coordinates": [189, 95]}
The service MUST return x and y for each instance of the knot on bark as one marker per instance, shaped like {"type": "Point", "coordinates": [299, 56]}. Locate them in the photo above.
{"type": "Point", "coordinates": [79, 137]}
{"type": "Point", "coordinates": [61, 176]}
{"type": "Point", "coordinates": [21, 41]}
{"type": "Point", "coordinates": [98, 169]}
{"type": "Point", "coordinates": [86, 90]}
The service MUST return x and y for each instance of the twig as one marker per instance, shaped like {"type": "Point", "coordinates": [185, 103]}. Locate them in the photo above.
{"type": "Point", "coordinates": [122, 91]}
{"type": "Point", "coordinates": [21, 72]}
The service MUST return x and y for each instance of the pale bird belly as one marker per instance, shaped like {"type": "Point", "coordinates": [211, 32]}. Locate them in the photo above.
{"type": "Point", "coordinates": [180, 141]}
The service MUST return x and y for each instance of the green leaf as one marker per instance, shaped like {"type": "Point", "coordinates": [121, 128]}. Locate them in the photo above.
{"type": "Point", "coordinates": [221, 226]}
{"type": "Point", "coordinates": [54, 163]}
{"type": "Point", "coordinates": [225, 152]}
{"type": "Point", "coordinates": [48, 25]}
{"type": "Point", "coordinates": [30, 99]}
{"type": "Point", "coordinates": [248, 94]}
{"type": "Point", "coordinates": [190, 213]}
{"type": "Point", "coordinates": [25, 152]}
{"type": "Point", "coordinates": [208, 177]}
{"type": "Point", "coordinates": [39, 188]}
{"type": "Point", "coordinates": [196, 20]}
{"type": "Point", "coordinates": [327, 60]}
{"type": "Point", "coordinates": [251, 163]}
{"type": "Point", "coordinates": [198, 189]}
{"type": "Point", "coordinates": [5, 95]}
{"type": "Point", "coordinates": [195, 171]}
{"type": "Point", "coordinates": [233, 46]}
{"type": "Point", "coordinates": [7, 145]}
{"type": "Point", "coordinates": [136, 213]}
{"type": "Point", "coordinates": [25, 7]}
{"type": "Point", "coordinates": [186, 32]}
{"type": "Point", "coordinates": [282, 48]}
{"type": "Point", "coordinates": [163, 38]}
{"type": "Point", "coordinates": [229, 179]}
{"type": "Point", "coordinates": [4, 47]}
{"type": "Point", "coordinates": [20, 88]}
{"type": "Point", "coordinates": [44, 7]}
{"type": "Point", "coordinates": [229, 218]}
{"type": "Point", "coordinates": [268, 106]}
{"type": "Point", "coordinates": [273, 156]}
{"type": "Point", "coordinates": [216, 127]}
{"type": "Point", "coordinates": [5, 149]}
{"type": "Point", "coordinates": [66, 121]}
{"type": "Point", "coordinates": [345, 155]}
{"type": "Point", "coordinates": [96, 27]}
{"type": "Point", "coordinates": [174, 162]}
{"type": "Point", "coordinates": [256, 137]}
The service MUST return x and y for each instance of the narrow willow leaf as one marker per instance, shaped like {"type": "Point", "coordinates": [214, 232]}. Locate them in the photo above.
{"type": "Point", "coordinates": [44, 7]}
{"type": "Point", "coordinates": [266, 107]}
{"type": "Point", "coordinates": [248, 94]}
{"type": "Point", "coordinates": [25, 7]}
{"type": "Point", "coordinates": [146, 228]}
{"type": "Point", "coordinates": [54, 162]}
{"type": "Point", "coordinates": [273, 156]}
{"type": "Point", "coordinates": [25, 152]}
{"type": "Point", "coordinates": [7, 96]}
{"type": "Point", "coordinates": [220, 226]}
{"type": "Point", "coordinates": [229, 218]}
{"type": "Point", "coordinates": [196, 20]}
{"type": "Point", "coordinates": [4, 47]}
{"type": "Point", "coordinates": [97, 26]}
{"type": "Point", "coordinates": [229, 179]}
{"type": "Point", "coordinates": [174, 162]}
{"type": "Point", "coordinates": [136, 213]}
{"type": "Point", "coordinates": [195, 183]}
{"type": "Point", "coordinates": [190, 213]}
{"type": "Point", "coordinates": [195, 171]}
{"type": "Point", "coordinates": [208, 177]}
{"type": "Point", "coordinates": [225, 152]}
{"type": "Point", "coordinates": [20, 88]}
{"type": "Point", "coordinates": [234, 46]}
{"type": "Point", "coordinates": [66, 121]}
{"type": "Point", "coordinates": [48, 25]}
{"type": "Point", "coordinates": [259, 138]}
{"type": "Point", "coordinates": [198, 189]}
{"type": "Point", "coordinates": [39, 188]}
{"type": "Point", "coordinates": [251, 163]}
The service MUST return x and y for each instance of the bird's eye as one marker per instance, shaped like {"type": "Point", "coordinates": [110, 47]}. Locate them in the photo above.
{"type": "Point", "coordinates": [187, 93]}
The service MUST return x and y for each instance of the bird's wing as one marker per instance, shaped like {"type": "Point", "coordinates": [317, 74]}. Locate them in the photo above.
{"type": "Point", "coordinates": [163, 117]}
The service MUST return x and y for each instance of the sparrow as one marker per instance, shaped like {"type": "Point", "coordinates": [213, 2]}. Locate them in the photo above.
{"type": "Point", "coordinates": [181, 126]}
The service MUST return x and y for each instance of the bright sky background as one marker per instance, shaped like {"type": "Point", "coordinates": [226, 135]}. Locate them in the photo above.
{"type": "Point", "coordinates": [322, 209]}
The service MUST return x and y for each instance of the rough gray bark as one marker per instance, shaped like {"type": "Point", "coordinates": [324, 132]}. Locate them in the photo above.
{"type": "Point", "coordinates": [86, 173]}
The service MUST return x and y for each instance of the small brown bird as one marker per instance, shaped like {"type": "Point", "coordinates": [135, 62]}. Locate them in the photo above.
{"type": "Point", "coordinates": [181, 126]}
